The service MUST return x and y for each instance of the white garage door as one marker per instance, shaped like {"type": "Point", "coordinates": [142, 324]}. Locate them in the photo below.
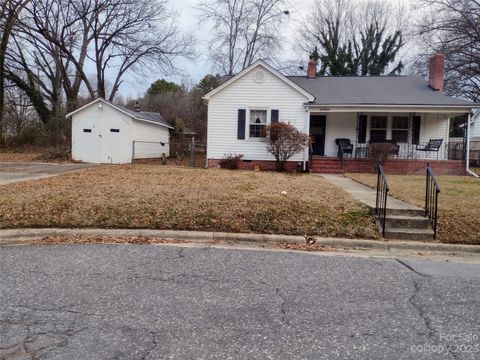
{"type": "Point", "coordinates": [87, 144]}
{"type": "Point", "coordinates": [116, 143]}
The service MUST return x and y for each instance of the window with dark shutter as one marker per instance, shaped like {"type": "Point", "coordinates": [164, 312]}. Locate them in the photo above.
{"type": "Point", "coordinates": [241, 124]}
{"type": "Point", "coordinates": [416, 129]}
{"type": "Point", "coordinates": [362, 129]}
{"type": "Point", "coordinates": [274, 117]}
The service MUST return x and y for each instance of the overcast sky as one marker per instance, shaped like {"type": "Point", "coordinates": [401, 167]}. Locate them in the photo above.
{"type": "Point", "coordinates": [192, 71]}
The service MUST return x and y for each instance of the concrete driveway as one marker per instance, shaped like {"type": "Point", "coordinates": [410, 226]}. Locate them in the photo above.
{"type": "Point", "coordinates": [177, 302]}
{"type": "Point", "coordinates": [11, 172]}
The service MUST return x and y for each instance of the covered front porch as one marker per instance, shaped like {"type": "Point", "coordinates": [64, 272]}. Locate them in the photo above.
{"type": "Point", "coordinates": [352, 141]}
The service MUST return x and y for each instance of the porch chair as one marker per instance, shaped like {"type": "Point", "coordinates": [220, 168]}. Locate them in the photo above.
{"type": "Point", "coordinates": [433, 145]}
{"type": "Point", "coordinates": [344, 147]}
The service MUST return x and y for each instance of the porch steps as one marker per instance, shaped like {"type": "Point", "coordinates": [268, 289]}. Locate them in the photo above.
{"type": "Point", "coordinates": [322, 165]}
{"type": "Point", "coordinates": [406, 224]}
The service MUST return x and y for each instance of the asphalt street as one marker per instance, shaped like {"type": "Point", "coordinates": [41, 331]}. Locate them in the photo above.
{"type": "Point", "coordinates": [156, 302]}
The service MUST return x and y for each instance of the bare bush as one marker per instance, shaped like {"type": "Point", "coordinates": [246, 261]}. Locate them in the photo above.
{"type": "Point", "coordinates": [284, 140]}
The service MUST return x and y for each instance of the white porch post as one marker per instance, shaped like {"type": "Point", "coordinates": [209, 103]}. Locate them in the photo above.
{"type": "Point", "coordinates": [467, 154]}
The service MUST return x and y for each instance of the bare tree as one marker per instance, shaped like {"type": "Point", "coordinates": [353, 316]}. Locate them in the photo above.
{"type": "Point", "coordinates": [117, 36]}
{"type": "Point", "coordinates": [244, 31]}
{"type": "Point", "coordinates": [453, 27]}
{"type": "Point", "coordinates": [355, 38]}
{"type": "Point", "coordinates": [9, 11]}
{"type": "Point", "coordinates": [18, 111]}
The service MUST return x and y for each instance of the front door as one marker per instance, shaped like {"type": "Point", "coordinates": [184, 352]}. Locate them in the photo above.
{"type": "Point", "coordinates": [317, 134]}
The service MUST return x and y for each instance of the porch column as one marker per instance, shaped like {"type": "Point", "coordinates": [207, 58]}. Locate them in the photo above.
{"type": "Point", "coordinates": [410, 128]}
{"type": "Point", "coordinates": [467, 142]}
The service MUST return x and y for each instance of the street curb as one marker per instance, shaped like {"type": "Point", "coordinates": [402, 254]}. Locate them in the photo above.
{"type": "Point", "coordinates": [19, 236]}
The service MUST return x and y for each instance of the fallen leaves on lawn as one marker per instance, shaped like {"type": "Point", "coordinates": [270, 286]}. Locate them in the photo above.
{"type": "Point", "coordinates": [166, 197]}
{"type": "Point", "coordinates": [78, 239]}
{"type": "Point", "coordinates": [303, 247]}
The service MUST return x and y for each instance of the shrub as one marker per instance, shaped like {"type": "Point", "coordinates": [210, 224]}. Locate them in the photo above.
{"type": "Point", "coordinates": [230, 161]}
{"type": "Point", "coordinates": [56, 153]}
{"type": "Point", "coordinates": [283, 141]}
{"type": "Point", "coordinates": [380, 152]}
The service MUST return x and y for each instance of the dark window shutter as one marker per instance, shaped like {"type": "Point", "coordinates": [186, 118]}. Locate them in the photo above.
{"type": "Point", "coordinates": [416, 129]}
{"type": "Point", "coordinates": [241, 124]}
{"type": "Point", "coordinates": [274, 117]}
{"type": "Point", "coordinates": [362, 129]}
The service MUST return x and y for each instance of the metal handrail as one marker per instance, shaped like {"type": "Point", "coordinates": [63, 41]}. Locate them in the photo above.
{"type": "Point", "coordinates": [381, 197]}
{"type": "Point", "coordinates": [431, 199]}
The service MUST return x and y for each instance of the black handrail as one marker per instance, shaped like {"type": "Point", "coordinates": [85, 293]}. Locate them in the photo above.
{"type": "Point", "coordinates": [381, 198]}
{"type": "Point", "coordinates": [431, 199]}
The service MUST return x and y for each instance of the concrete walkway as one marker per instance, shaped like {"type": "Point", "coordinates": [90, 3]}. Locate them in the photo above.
{"type": "Point", "coordinates": [364, 193]}
{"type": "Point", "coordinates": [12, 172]}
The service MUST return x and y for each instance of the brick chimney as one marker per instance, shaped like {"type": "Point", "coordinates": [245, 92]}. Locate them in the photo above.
{"type": "Point", "coordinates": [312, 69]}
{"type": "Point", "coordinates": [436, 74]}
{"type": "Point", "coordinates": [137, 107]}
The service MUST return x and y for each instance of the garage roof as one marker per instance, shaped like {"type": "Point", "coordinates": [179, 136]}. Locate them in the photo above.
{"type": "Point", "coordinates": [146, 115]}
{"type": "Point", "coordinates": [138, 115]}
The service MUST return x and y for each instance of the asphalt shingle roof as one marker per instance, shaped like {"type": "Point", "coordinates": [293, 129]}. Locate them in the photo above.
{"type": "Point", "coordinates": [374, 90]}
{"type": "Point", "coordinates": [146, 115]}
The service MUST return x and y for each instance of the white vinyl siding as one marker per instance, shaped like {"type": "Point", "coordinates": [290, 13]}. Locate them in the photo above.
{"type": "Point", "coordinates": [246, 93]}
{"type": "Point", "coordinates": [148, 137]}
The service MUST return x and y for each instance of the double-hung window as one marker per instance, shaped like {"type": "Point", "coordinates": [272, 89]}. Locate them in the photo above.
{"type": "Point", "coordinates": [257, 123]}
{"type": "Point", "coordinates": [378, 128]}
{"type": "Point", "coordinates": [400, 129]}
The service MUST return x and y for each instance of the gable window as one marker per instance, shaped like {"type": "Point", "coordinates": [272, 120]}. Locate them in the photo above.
{"type": "Point", "coordinates": [87, 130]}
{"type": "Point", "coordinates": [400, 129]}
{"type": "Point", "coordinates": [257, 123]}
{"type": "Point", "coordinates": [378, 128]}
{"type": "Point", "coordinates": [114, 130]}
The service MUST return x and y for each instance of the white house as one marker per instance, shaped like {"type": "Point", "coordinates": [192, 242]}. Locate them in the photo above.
{"type": "Point", "coordinates": [106, 133]}
{"type": "Point", "coordinates": [404, 111]}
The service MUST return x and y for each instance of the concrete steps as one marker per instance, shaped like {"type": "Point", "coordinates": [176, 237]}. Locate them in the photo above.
{"type": "Point", "coordinates": [406, 224]}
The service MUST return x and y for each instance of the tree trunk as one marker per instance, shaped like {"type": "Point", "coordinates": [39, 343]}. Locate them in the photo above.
{"type": "Point", "coordinates": [11, 17]}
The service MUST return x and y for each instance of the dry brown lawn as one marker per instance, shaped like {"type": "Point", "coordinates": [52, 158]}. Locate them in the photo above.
{"type": "Point", "coordinates": [19, 156]}
{"type": "Point", "coordinates": [459, 202]}
{"type": "Point", "coordinates": [168, 197]}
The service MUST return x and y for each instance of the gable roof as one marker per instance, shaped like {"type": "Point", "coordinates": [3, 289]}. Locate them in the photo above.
{"type": "Point", "coordinates": [147, 116]}
{"type": "Point", "coordinates": [375, 90]}
{"type": "Point", "coordinates": [227, 80]}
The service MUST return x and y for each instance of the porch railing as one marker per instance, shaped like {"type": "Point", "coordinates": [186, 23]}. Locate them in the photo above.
{"type": "Point", "coordinates": [407, 152]}
{"type": "Point", "coordinates": [431, 200]}
{"type": "Point", "coordinates": [381, 198]}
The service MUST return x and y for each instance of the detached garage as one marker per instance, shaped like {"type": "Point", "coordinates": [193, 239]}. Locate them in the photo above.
{"type": "Point", "coordinates": [105, 133]}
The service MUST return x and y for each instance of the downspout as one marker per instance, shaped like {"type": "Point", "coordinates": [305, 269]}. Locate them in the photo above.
{"type": "Point", "coordinates": [467, 154]}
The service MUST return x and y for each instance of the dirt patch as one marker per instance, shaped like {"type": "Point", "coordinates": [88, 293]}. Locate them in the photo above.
{"type": "Point", "coordinates": [19, 156]}
{"type": "Point", "coordinates": [459, 199]}
{"type": "Point", "coordinates": [138, 240]}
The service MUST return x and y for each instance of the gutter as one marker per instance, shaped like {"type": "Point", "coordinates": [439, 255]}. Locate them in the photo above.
{"type": "Point", "coordinates": [467, 151]}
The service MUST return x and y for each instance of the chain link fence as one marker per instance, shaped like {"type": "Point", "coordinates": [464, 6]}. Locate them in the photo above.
{"type": "Point", "coordinates": [184, 152]}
